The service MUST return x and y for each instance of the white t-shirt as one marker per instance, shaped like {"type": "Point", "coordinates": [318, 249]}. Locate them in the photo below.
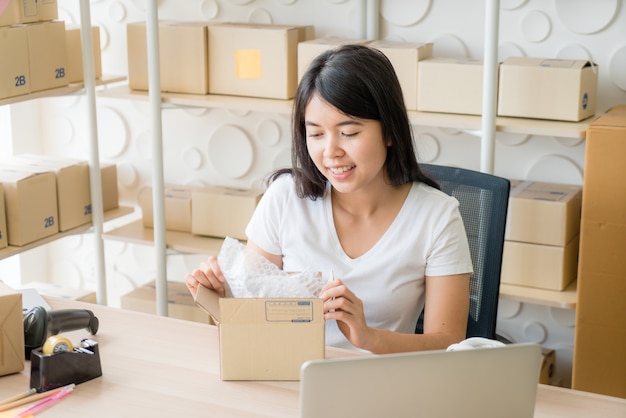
{"type": "Point", "coordinates": [427, 238]}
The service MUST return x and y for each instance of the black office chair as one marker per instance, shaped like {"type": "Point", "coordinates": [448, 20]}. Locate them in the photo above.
{"type": "Point", "coordinates": [483, 201]}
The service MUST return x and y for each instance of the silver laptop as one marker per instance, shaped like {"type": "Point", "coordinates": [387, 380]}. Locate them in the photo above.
{"type": "Point", "coordinates": [483, 382]}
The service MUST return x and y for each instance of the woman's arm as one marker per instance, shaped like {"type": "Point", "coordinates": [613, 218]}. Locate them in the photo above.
{"type": "Point", "coordinates": [445, 317]}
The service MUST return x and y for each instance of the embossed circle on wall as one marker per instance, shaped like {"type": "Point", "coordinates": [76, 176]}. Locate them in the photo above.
{"type": "Point", "coordinates": [282, 160]}
{"type": "Point", "coordinates": [240, 2]}
{"type": "Point", "coordinates": [117, 12]}
{"type": "Point", "coordinates": [586, 17]}
{"type": "Point", "coordinates": [268, 132]}
{"type": "Point", "coordinates": [230, 151]}
{"type": "Point", "coordinates": [535, 332]}
{"type": "Point", "coordinates": [510, 49]}
{"type": "Point", "coordinates": [112, 132]}
{"type": "Point", "coordinates": [105, 37]}
{"type": "Point", "coordinates": [209, 9]}
{"type": "Point", "coordinates": [143, 145]}
{"type": "Point", "coordinates": [508, 309]}
{"type": "Point", "coordinates": [62, 129]}
{"type": "Point", "coordinates": [427, 147]}
{"type": "Point", "coordinates": [127, 175]}
{"type": "Point", "coordinates": [67, 274]}
{"type": "Point", "coordinates": [144, 257]}
{"type": "Point", "coordinates": [192, 157]}
{"type": "Point", "coordinates": [404, 12]}
{"type": "Point", "coordinates": [536, 26]}
{"type": "Point", "coordinates": [512, 4]}
{"type": "Point", "coordinates": [260, 16]}
{"type": "Point", "coordinates": [617, 64]}
{"type": "Point", "coordinates": [511, 140]}
{"type": "Point", "coordinates": [546, 167]}
{"type": "Point", "coordinates": [564, 317]}
{"type": "Point", "coordinates": [449, 46]}
{"type": "Point", "coordinates": [574, 52]}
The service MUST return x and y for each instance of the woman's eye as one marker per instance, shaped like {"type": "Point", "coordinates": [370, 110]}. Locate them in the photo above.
{"type": "Point", "coordinates": [313, 134]}
{"type": "Point", "coordinates": [349, 134]}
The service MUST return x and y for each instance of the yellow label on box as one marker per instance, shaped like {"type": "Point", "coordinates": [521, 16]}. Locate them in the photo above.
{"type": "Point", "coordinates": [288, 311]}
{"type": "Point", "coordinates": [248, 63]}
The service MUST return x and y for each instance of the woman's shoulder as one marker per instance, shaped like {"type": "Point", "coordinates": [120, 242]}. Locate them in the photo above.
{"type": "Point", "coordinates": [425, 193]}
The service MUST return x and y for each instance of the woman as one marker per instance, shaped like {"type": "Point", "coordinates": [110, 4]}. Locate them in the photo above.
{"type": "Point", "coordinates": [356, 203]}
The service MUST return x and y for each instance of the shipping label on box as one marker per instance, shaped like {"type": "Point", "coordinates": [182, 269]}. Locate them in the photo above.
{"type": "Point", "coordinates": [265, 338]}
{"type": "Point", "coordinates": [74, 68]}
{"type": "Point", "coordinates": [223, 211]}
{"type": "Point", "coordinates": [404, 57]}
{"type": "Point", "coordinates": [541, 266]}
{"type": "Point", "coordinates": [47, 55]}
{"type": "Point", "coordinates": [557, 89]}
{"type": "Point", "coordinates": [450, 85]}
{"type": "Point", "coordinates": [182, 69]}
{"type": "Point", "coordinates": [3, 221]}
{"type": "Point", "coordinates": [543, 213]}
{"type": "Point", "coordinates": [177, 207]}
{"type": "Point", "coordinates": [73, 188]}
{"type": "Point", "coordinates": [257, 60]}
{"type": "Point", "coordinates": [181, 304]}
{"type": "Point", "coordinates": [31, 205]}
{"type": "Point", "coordinates": [311, 48]}
{"type": "Point", "coordinates": [14, 66]}
{"type": "Point", "coordinates": [11, 331]}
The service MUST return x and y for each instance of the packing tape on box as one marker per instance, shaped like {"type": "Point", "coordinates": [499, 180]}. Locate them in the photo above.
{"type": "Point", "coordinates": [57, 344]}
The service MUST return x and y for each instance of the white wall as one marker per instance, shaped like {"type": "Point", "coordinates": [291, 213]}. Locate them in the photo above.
{"type": "Point", "coordinates": [573, 29]}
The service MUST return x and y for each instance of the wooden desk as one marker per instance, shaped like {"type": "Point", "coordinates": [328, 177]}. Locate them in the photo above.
{"type": "Point", "coordinates": [162, 367]}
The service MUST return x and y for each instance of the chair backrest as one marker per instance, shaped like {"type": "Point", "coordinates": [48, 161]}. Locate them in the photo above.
{"type": "Point", "coordinates": [483, 202]}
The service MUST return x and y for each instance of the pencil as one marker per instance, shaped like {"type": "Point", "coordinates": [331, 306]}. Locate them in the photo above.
{"type": "Point", "coordinates": [18, 396]}
{"type": "Point", "coordinates": [46, 402]}
{"type": "Point", "coordinates": [28, 399]}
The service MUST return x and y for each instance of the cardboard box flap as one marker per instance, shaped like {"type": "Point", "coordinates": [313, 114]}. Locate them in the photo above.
{"type": "Point", "coordinates": [548, 63]}
{"type": "Point", "coordinates": [610, 120]}
{"type": "Point", "coordinates": [209, 301]}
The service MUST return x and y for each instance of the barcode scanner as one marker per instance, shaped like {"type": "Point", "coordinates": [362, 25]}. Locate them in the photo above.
{"type": "Point", "coordinates": [39, 324]}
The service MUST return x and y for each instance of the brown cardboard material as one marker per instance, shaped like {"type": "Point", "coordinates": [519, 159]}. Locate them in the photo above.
{"type": "Point", "coordinates": [47, 55]}
{"type": "Point", "coordinates": [542, 266]}
{"type": "Point", "coordinates": [11, 331]}
{"type": "Point", "coordinates": [3, 221]}
{"type": "Point", "coordinates": [405, 57]}
{"type": "Point", "coordinates": [311, 48]}
{"type": "Point", "coordinates": [548, 364]}
{"type": "Point", "coordinates": [543, 213]}
{"type": "Point", "coordinates": [110, 192]}
{"type": "Point", "coordinates": [599, 363]}
{"type": "Point", "coordinates": [31, 205]}
{"type": "Point", "coordinates": [223, 211]}
{"type": "Point", "coordinates": [14, 66]}
{"type": "Point", "coordinates": [180, 305]}
{"type": "Point", "coordinates": [182, 69]}
{"type": "Point", "coordinates": [264, 338]}
{"type": "Point", "coordinates": [257, 60]}
{"type": "Point", "coordinates": [28, 11]}
{"type": "Point", "coordinates": [73, 189]}
{"type": "Point", "coordinates": [541, 88]}
{"type": "Point", "coordinates": [74, 68]}
{"type": "Point", "coordinates": [177, 207]}
{"type": "Point", "coordinates": [450, 85]}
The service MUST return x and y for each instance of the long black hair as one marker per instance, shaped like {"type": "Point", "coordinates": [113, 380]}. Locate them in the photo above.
{"type": "Point", "coordinates": [360, 82]}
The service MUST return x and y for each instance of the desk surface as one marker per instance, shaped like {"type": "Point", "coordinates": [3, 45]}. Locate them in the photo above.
{"type": "Point", "coordinates": [156, 366]}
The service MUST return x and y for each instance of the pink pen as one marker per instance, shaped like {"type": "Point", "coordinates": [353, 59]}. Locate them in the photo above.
{"type": "Point", "coordinates": [46, 402]}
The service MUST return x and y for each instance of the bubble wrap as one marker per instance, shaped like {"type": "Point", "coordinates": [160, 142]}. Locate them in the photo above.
{"type": "Point", "coordinates": [250, 275]}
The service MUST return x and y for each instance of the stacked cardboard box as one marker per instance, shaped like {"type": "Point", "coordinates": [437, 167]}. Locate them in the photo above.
{"type": "Point", "coordinates": [542, 235]}
{"type": "Point", "coordinates": [599, 363]}
{"type": "Point", "coordinates": [11, 331]}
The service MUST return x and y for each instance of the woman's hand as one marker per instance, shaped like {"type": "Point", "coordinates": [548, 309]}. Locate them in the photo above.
{"type": "Point", "coordinates": [343, 306]}
{"type": "Point", "coordinates": [207, 274]}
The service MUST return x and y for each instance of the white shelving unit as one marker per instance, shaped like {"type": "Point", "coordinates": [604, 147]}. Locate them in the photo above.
{"type": "Point", "coordinates": [484, 126]}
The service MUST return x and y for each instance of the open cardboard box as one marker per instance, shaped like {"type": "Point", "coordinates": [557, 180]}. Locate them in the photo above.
{"type": "Point", "coordinates": [265, 338]}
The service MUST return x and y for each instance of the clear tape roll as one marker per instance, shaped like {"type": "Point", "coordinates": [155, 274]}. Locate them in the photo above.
{"type": "Point", "coordinates": [57, 344]}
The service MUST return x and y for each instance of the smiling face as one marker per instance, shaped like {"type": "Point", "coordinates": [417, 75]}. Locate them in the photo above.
{"type": "Point", "coordinates": [348, 151]}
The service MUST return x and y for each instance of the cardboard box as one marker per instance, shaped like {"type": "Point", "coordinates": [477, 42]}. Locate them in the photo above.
{"type": "Point", "coordinates": [11, 331]}
{"type": "Point", "coordinates": [541, 88]}
{"type": "Point", "coordinates": [3, 221]}
{"type": "Point", "coordinates": [542, 266]}
{"type": "Point", "coordinates": [223, 211]}
{"type": "Point", "coordinates": [74, 68]}
{"type": "Point", "coordinates": [72, 185]}
{"type": "Point", "coordinates": [47, 55]}
{"type": "Point", "coordinates": [180, 305]}
{"type": "Point", "coordinates": [450, 85]}
{"type": "Point", "coordinates": [183, 56]}
{"type": "Point", "coordinates": [177, 207]}
{"type": "Point", "coordinates": [110, 192]}
{"type": "Point", "coordinates": [265, 339]}
{"type": "Point", "coordinates": [14, 67]}
{"type": "Point", "coordinates": [258, 60]}
{"type": "Point", "coordinates": [599, 363]}
{"type": "Point", "coordinates": [311, 48]}
{"type": "Point", "coordinates": [31, 205]}
{"type": "Point", "coordinates": [28, 11]}
{"type": "Point", "coordinates": [548, 363]}
{"type": "Point", "coordinates": [405, 57]}
{"type": "Point", "coordinates": [50, 289]}
{"type": "Point", "coordinates": [543, 213]}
